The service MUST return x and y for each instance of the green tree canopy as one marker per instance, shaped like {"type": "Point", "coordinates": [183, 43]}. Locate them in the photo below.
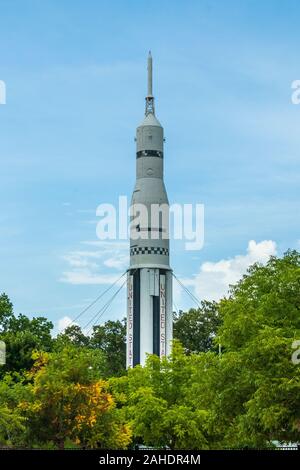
{"type": "Point", "coordinates": [155, 401]}
{"type": "Point", "coordinates": [246, 394]}
{"type": "Point", "coordinates": [6, 312]}
{"type": "Point", "coordinates": [70, 402]}
{"type": "Point", "coordinates": [197, 328]}
{"type": "Point", "coordinates": [22, 336]}
{"type": "Point", "coordinates": [111, 339]}
{"type": "Point", "coordinates": [72, 335]}
{"type": "Point", "coordinates": [254, 387]}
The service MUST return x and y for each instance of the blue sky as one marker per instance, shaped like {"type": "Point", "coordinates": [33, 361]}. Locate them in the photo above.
{"type": "Point", "coordinates": [76, 79]}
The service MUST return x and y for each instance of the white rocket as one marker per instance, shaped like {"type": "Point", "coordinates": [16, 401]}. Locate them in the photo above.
{"type": "Point", "coordinates": [149, 282]}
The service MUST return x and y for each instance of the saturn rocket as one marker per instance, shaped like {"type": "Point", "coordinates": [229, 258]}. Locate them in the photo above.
{"type": "Point", "coordinates": [149, 277]}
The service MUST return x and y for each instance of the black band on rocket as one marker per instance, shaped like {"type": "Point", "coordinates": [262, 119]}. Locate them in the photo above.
{"type": "Point", "coordinates": [149, 153]}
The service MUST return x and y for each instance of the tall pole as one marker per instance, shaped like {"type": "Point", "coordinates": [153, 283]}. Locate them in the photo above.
{"type": "Point", "coordinates": [150, 74]}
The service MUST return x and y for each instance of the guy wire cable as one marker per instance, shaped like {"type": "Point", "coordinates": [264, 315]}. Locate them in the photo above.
{"type": "Point", "coordinates": [100, 312]}
{"type": "Point", "coordinates": [193, 297]}
{"type": "Point", "coordinates": [95, 301]}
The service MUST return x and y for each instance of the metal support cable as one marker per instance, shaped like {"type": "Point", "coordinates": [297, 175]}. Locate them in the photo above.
{"type": "Point", "coordinates": [95, 301]}
{"type": "Point", "coordinates": [193, 297]}
{"type": "Point", "coordinates": [100, 312]}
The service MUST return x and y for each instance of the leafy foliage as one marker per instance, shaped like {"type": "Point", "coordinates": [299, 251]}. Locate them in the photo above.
{"type": "Point", "coordinates": [12, 422]}
{"type": "Point", "coordinates": [6, 312]}
{"type": "Point", "coordinates": [71, 335]}
{"type": "Point", "coordinates": [156, 402]}
{"type": "Point", "coordinates": [22, 336]}
{"type": "Point", "coordinates": [260, 322]}
{"type": "Point", "coordinates": [197, 328]}
{"type": "Point", "coordinates": [69, 401]}
{"type": "Point", "coordinates": [111, 339]}
{"type": "Point", "coordinates": [73, 390]}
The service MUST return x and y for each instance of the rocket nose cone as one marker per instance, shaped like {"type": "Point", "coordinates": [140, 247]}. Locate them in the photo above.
{"type": "Point", "coordinates": [150, 120]}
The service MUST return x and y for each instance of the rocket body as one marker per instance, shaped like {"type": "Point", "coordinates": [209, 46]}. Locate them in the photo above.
{"type": "Point", "coordinates": [149, 277]}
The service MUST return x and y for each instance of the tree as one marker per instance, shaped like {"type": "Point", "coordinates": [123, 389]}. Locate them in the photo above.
{"type": "Point", "coordinates": [39, 327]}
{"type": "Point", "coordinates": [12, 423]}
{"type": "Point", "coordinates": [197, 328]}
{"type": "Point", "coordinates": [6, 312]}
{"type": "Point", "coordinates": [111, 339]}
{"type": "Point", "coordinates": [254, 387]}
{"type": "Point", "coordinates": [247, 396]}
{"type": "Point", "coordinates": [154, 397]}
{"type": "Point", "coordinates": [72, 335]}
{"type": "Point", "coordinates": [70, 402]}
{"type": "Point", "coordinates": [22, 336]}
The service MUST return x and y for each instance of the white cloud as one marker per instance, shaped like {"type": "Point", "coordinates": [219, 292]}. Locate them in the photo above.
{"type": "Point", "coordinates": [213, 280]}
{"type": "Point", "coordinates": [79, 259]}
{"type": "Point", "coordinates": [63, 323]}
{"type": "Point", "coordinates": [90, 266]}
{"type": "Point", "coordinates": [86, 277]}
{"type": "Point", "coordinates": [117, 262]}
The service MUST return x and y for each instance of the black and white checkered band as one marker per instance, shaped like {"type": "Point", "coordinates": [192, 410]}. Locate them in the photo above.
{"type": "Point", "coordinates": [149, 153]}
{"type": "Point", "coordinates": [151, 250]}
